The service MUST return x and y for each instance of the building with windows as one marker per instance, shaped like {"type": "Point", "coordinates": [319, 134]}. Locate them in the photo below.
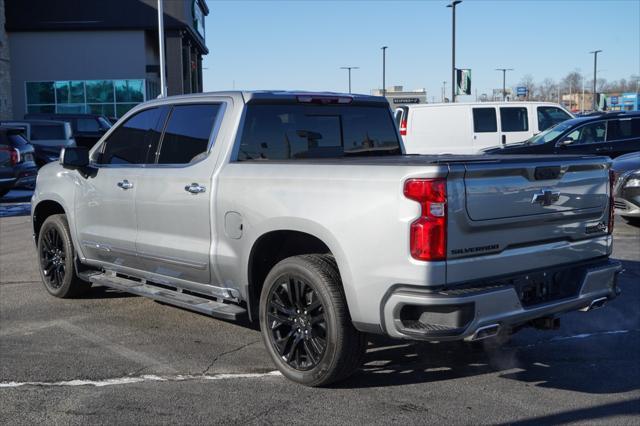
{"type": "Point", "coordinates": [98, 56]}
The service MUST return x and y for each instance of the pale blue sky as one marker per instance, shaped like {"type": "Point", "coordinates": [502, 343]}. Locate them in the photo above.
{"type": "Point", "coordinates": [302, 44]}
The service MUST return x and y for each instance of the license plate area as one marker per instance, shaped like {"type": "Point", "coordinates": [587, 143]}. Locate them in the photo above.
{"type": "Point", "coordinates": [541, 287]}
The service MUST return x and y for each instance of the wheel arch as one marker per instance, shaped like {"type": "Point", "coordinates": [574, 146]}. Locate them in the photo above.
{"type": "Point", "coordinates": [275, 245]}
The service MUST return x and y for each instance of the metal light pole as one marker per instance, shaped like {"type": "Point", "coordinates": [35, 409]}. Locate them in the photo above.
{"type": "Point", "coordinates": [163, 77]}
{"type": "Point", "coordinates": [582, 108]}
{"type": "Point", "coordinates": [504, 78]}
{"type": "Point", "coordinates": [595, 72]}
{"type": "Point", "coordinates": [384, 69]}
{"type": "Point", "coordinates": [349, 69]}
{"type": "Point", "coordinates": [444, 90]}
{"type": "Point", "coordinates": [452, 5]}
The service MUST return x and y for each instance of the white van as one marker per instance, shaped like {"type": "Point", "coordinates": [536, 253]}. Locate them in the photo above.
{"type": "Point", "coordinates": [466, 128]}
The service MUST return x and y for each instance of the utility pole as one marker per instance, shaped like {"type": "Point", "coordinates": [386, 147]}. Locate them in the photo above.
{"type": "Point", "coordinates": [163, 76]}
{"type": "Point", "coordinates": [349, 70]}
{"type": "Point", "coordinates": [384, 69]}
{"type": "Point", "coordinates": [582, 108]}
{"type": "Point", "coordinates": [595, 80]}
{"type": "Point", "coordinates": [452, 5]}
{"type": "Point", "coordinates": [504, 77]}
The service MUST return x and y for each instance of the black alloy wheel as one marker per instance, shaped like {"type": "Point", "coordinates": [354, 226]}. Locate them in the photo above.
{"type": "Point", "coordinates": [53, 258]}
{"type": "Point", "coordinates": [298, 326]}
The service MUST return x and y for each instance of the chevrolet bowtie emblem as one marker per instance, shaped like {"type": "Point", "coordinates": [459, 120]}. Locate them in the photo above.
{"type": "Point", "coordinates": [546, 197]}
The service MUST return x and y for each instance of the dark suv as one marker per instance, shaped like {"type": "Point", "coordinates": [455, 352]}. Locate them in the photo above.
{"type": "Point", "coordinates": [17, 166]}
{"type": "Point", "coordinates": [611, 134]}
{"type": "Point", "coordinates": [87, 128]}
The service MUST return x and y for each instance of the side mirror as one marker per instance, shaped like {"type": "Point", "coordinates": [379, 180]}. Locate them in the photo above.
{"type": "Point", "coordinates": [74, 157]}
{"type": "Point", "coordinates": [565, 142]}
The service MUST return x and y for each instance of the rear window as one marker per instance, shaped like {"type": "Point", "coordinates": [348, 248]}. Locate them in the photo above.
{"type": "Point", "coordinates": [47, 132]}
{"type": "Point", "coordinates": [484, 120]}
{"type": "Point", "coordinates": [283, 132]}
{"type": "Point", "coordinates": [625, 128]}
{"type": "Point", "coordinates": [550, 116]}
{"type": "Point", "coordinates": [87, 125]}
{"type": "Point", "coordinates": [514, 119]}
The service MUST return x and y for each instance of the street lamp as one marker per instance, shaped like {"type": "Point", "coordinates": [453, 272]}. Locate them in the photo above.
{"type": "Point", "coordinates": [452, 5]}
{"type": "Point", "coordinates": [163, 76]}
{"type": "Point", "coordinates": [504, 77]}
{"type": "Point", "coordinates": [384, 66]}
{"type": "Point", "coordinates": [444, 90]}
{"type": "Point", "coordinates": [349, 69]}
{"type": "Point", "coordinates": [595, 71]}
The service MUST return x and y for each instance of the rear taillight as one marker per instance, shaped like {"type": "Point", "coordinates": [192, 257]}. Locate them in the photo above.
{"type": "Point", "coordinates": [403, 128]}
{"type": "Point", "coordinates": [612, 180]}
{"type": "Point", "coordinates": [14, 155]}
{"type": "Point", "coordinates": [428, 234]}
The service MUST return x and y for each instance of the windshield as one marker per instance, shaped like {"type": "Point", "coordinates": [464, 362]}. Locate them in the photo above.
{"type": "Point", "coordinates": [549, 134]}
{"type": "Point", "coordinates": [282, 132]}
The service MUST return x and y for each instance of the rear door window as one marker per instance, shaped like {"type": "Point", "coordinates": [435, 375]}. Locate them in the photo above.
{"type": "Point", "coordinates": [550, 116]}
{"type": "Point", "coordinates": [514, 119]}
{"type": "Point", "coordinates": [484, 120]}
{"type": "Point", "coordinates": [624, 128]}
{"type": "Point", "coordinates": [134, 141]}
{"type": "Point", "coordinates": [186, 138]}
{"type": "Point", "coordinates": [283, 132]}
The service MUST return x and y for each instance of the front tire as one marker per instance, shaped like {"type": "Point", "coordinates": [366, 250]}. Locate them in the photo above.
{"type": "Point", "coordinates": [305, 322]}
{"type": "Point", "coordinates": [56, 258]}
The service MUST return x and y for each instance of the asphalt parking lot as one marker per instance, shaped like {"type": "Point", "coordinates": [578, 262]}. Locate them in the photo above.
{"type": "Point", "coordinates": [114, 358]}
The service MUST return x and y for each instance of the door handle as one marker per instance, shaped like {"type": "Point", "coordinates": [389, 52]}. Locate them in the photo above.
{"type": "Point", "coordinates": [195, 188]}
{"type": "Point", "coordinates": [125, 184]}
{"type": "Point", "coordinates": [604, 148]}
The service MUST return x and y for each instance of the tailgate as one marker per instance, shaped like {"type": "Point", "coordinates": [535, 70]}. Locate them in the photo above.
{"type": "Point", "coordinates": [512, 216]}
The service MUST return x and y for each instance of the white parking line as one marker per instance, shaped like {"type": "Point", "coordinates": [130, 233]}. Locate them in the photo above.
{"type": "Point", "coordinates": [145, 378]}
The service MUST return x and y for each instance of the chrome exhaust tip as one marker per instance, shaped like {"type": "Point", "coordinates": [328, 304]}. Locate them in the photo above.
{"type": "Point", "coordinates": [486, 332]}
{"type": "Point", "coordinates": [597, 303]}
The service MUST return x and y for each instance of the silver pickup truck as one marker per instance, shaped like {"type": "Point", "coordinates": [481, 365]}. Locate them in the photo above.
{"type": "Point", "coordinates": [301, 211]}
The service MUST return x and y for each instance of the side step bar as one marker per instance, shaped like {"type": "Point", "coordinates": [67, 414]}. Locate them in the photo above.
{"type": "Point", "coordinates": [215, 309]}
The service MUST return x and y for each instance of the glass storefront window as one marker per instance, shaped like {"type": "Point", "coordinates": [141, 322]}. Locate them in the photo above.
{"type": "Point", "coordinates": [129, 90]}
{"type": "Point", "coordinates": [99, 91]}
{"type": "Point", "coordinates": [108, 110]}
{"type": "Point", "coordinates": [35, 109]}
{"type": "Point", "coordinates": [111, 98]}
{"type": "Point", "coordinates": [40, 92]}
{"type": "Point", "coordinates": [69, 92]}
{"type": "Point", "coordinates": [121, 109]}
{"type": "Point", "coordinates": [71, 108]}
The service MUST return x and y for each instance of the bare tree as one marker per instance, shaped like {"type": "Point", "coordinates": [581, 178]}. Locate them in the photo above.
{"type": "Point", "coordinates": [548, 90]}
{"type": "Point", "coordinates": [572, 82]}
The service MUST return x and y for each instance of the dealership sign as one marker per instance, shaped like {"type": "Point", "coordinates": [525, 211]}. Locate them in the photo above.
{"type": "Point", "coordinates": [406, 100]}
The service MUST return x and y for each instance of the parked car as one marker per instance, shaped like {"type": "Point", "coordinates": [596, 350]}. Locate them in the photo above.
{"type": "Point", "coordinates": [627, 187]}
{"type": "Point", "coordinates": [17, 166]}
{"type": "Point", "coordinates": [466, 128]}
{"type": "Point", "coordinates": [87, 128]}
{"type": "Point", "coordinates": [301, 211]}
{"type": "Point", "coordinates": [47, 137]}
{"type": "Point", "coordinates": [611, 134]}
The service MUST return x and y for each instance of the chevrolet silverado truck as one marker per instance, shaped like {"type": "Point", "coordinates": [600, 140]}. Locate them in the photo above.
{"type": "Point", "coordinates": [302, 212]}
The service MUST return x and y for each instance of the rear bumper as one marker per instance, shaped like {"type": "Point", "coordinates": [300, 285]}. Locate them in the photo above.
{"type": "Point", "coordinates": [414, 313]}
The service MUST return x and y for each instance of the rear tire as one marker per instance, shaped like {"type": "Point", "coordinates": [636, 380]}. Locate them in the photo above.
{"type": "Point", "coordinates": [56, 258]}
{"type": "Point", "coordinates": [305, 321]}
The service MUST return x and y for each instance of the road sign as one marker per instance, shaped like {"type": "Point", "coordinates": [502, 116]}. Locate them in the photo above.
{"type": "Point", "coordinates": [522, 91]}
{"type": "Point", "coordinates": [463, 82]}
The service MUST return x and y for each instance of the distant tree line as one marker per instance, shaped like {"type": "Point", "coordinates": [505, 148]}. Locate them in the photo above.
{"type": "Point", "coordinates": [549, 89]}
